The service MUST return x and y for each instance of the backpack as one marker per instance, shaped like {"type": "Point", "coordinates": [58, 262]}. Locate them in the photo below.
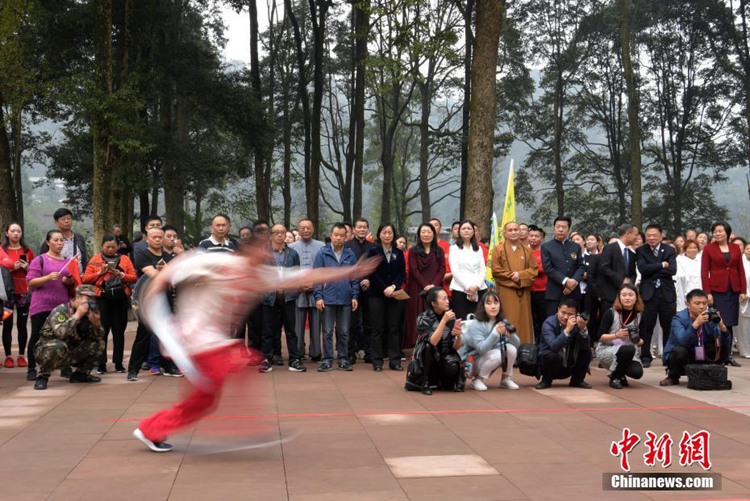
{"type": "Point", "coordinates": [113, 287]}
{"type": "Point", "coordinates": [528, 360]}
{"type": "Point", "coordinates": [6, 282]}
{"type": "Point", "coordinates": [415, 369]}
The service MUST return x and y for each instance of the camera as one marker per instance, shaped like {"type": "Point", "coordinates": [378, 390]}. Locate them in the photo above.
{"type": "Point", "coordinates": [635, 338]}
{"type": "Point", "coordinates": [509, 327]}
{"type": "Point", "coordinates": [713, 315]}
{"type": "Point", "coordinates": [93, 306]}
{"type": "Point", "coordinates": [584, 316]}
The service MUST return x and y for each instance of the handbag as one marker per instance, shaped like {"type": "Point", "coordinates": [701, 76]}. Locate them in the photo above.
{"type": "Point", "coordinates": [113, 287]}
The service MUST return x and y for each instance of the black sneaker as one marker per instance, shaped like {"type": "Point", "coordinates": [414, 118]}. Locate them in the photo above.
{"type": "Point", "coordinates": [41, 383]}
{"type": "Point", "coordinates": [296, 366]}
{"type": "Point", "coordinates": [173, 372]}
{"type": "Point", "coordinates": [67, 372]}
{"type": "Point", "coordinates": [132, 376]}
{"type": "Point", "coordinates": [82, 377]}
{"type": "Point", "coordinates": [325, 367]}
{"type": "Point", "coordinates": [102, 369]}
{"type": "Point", "coordinates": [31, 375]}
{"type": "Point", "coordinates": [265, 366]}
{"type": "Point", "coordinates": [154, 446]}
{"type": "Point", "coordinates": [120, 369]}
{"type": "Point", "coordinates": [345, 366]}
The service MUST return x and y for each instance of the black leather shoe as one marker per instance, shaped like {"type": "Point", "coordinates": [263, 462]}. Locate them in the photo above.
{"type": "Point", "coordinates": [426, 390]}
{"type": "Point", "coordinates": [41, 383]}
{"type": "Point", "coordinates": [543, 384]}
{"type": "Point", "coordinates": [669, 381]}
{"type": "Point", "coordinates": [377, 368]}
{"type": "Point", "coordinates": [624, 382]}
{"type": "Point", "coordinates": [646, 363]}
{"type": "Point", "coordinates": [396, 367]}
{"type": "Point", "coordinates": [66, 372]}
{"type": "Point", "coordinates": [580, 384]}
{"type": "Point", "coordinates": [734, 363]}
{"type": "Point", "coordinates": [31, 375]}
{"type": "Point", "coordinates": [615, 383]}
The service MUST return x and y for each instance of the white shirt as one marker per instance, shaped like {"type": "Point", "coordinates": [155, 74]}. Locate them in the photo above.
{"type": "Point", "coordinates": [688, 277]}
{"type": "Point", "coordinates": [468, 268]}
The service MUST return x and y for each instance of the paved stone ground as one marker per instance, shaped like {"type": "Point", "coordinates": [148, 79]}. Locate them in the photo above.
{"type": "Point", "coordinates": [360, 436]}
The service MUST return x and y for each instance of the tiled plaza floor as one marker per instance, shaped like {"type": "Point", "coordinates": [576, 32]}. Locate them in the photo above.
{"type": "Point", "coordinates": [359, 436]}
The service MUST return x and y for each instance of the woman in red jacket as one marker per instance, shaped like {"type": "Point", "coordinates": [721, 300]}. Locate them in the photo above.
{"type": "Point", "coordinates": [19, 256]}
{"type": "Point", "coordinates": [114, 274]}
{"type": "Point", "coordinates": [723, 279]}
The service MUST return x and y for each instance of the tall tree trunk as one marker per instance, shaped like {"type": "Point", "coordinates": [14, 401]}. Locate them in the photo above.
{"type": "Point", "coordinates": [469, 44]}
{"type": "Point", "coordinates": [559, 109]}
{"type": "Point", "coordinates": [318, 12]}
{"type": "Point", "coordinates": [8, 207]}
{"type": "Point", "coordinates": [483, 105]}
{"type": "Point", "coordinates": [634, 128]}
{"type": "Point", "coordinates": [261, 188]}
{"type": "Point", "coordinates": [306, 119]}
{"type": "Point", "coordinates": [174, 179]}
{"type": "Point", "coordinates": [425, 90]}
{"type": "Point", "coordinates": [361, 31]}
{"type": "Point", "coordinates": [145, 207]}
{"type": "Point", "coordinates": [17, 131]}
{"type": "Point", "coordinates": [102, 179]}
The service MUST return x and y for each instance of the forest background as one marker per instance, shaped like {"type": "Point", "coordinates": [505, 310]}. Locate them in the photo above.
{"type": "Point", "coordinates": [398, 110]}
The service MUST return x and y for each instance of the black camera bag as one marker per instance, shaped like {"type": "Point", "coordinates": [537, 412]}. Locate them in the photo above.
{"type": "Point", "coordinates": [528, 360]}
{"type": "Point", "coordinates": [707, 377]}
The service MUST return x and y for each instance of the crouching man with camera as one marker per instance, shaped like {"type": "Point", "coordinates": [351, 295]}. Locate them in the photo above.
{"type": "Point", "coordinates": [698, 336]}
{"type": "Point", "coordinates": [72, 336]}
{"type": "Point", "coordinates": [565, 346]}
{"type": "Point", "coordinates": [619, 339]}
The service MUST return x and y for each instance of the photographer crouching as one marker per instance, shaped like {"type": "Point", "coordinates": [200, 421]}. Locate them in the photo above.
{"type": "Point", "coordinates": [72, 336]}
{"type": "Point", "coordinates": [698, 336]}
{"type": "Point", "coordinates": [565, 346]}
{"type": "Point", "coordinates": [619, 341]}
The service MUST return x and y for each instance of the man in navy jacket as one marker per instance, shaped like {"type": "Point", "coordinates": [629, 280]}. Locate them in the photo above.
{"type": "Point", "coordinates": [336, 301]}
{"type": "Point", "coordinates": [565, 347]}
{"type": "Point", "coordinates": [692, 329]}
{"type": "Point", "coordinates": [563, 263]}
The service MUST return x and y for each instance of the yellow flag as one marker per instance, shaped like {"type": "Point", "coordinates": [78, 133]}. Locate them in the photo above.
{"type": "Point", "coordinates": [493, 242]}
{"type": "Point", "coordinates": [509, 208]}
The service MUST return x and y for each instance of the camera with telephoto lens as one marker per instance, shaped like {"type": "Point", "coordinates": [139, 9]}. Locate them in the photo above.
{"type": "Point", "coordinates": [93, 306]}
{"type": "Point", "coordinates": [713, 315]}
{"type": "Point", "coordinates": [635, 338]}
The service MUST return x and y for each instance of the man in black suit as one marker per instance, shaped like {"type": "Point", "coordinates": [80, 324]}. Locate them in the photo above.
{"type": "Point", "coordinates": [563, 264]}
{"type": "Point", "coordinates": [657, 264]}
{"type": "Point", "coordinates": [616, 265]}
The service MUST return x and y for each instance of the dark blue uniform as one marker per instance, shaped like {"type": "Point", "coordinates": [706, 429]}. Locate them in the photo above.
{"type": "Point", "coordinates": [561, 260]}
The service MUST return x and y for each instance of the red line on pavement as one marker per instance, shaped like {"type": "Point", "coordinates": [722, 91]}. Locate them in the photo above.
{"type": "Point", "coordinates": [457, 411]}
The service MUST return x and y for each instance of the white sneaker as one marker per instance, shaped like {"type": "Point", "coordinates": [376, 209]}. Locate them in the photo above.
{"type": "Point", "coordinates": [154, 446]}
{"type": "Point", "coordinates": [508, 383]}
{"type": "Point", "coordinates": [478, 385]}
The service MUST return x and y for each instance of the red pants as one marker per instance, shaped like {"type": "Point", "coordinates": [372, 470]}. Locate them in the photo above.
{"type": "Point", "coordinates": [214, 366]}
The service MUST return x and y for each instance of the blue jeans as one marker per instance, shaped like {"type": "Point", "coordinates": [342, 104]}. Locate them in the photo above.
{"type": "Point", "coordinates": [338, 316]}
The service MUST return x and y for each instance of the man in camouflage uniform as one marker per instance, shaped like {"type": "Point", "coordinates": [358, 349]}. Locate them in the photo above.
{"type": "Point", "coordinates": [72, 336]}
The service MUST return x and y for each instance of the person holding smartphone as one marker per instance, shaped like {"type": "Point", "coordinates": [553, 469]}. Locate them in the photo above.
{"type": "Point", "coordinates": [19, 256]}
{"type": "Point", "coordinates": [438, 341]}
{"type": "Point", "coordinates": [114, 276]}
